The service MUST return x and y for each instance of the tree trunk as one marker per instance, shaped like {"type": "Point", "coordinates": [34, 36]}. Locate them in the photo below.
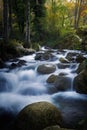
{"type": "Point", "coordinates": [27, 39]}
{"type": "Point", "coordinates": [76, 12]}
{"type": "Point", "coordinates": [5, 21]}
{"type": "Point", "coordinates": [10, 16]}
{"type": "Point", "coordinates": [79, 12]}
{"type": "Point", "coordinates": [78, 8]}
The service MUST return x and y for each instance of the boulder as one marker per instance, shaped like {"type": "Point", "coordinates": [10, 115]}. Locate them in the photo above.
{"type": "Point", "coordinates": [63, 60]}
{"type": "Point", "coordinates": [62, 83]}
{"type": "Point", "coordinates": [56, 127]}
{"type": "Point", "coordinates": [45, 56]}
{"type": "Point", "coordinates": [51, 78]}
{"type": "Point", "coordinates": [82, 66]}
{"type": "Point", "coordinates": [80, 58]}
{"type": "Point", "coordinates": [19, 64]}
{"type": "Point", "coordinates": [38, 116]}
{"type": "Point", "coordinates": [80, 82]}
{"type": "Point", "coordinates": [71, 56]}
{"type": "Point", "coordinates": [46, 68]}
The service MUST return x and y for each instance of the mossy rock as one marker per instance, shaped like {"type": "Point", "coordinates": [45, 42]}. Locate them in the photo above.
{"type": "Point", "coordinates": [80, 82]}
{"type": "Point", "coordinates": [38, 116]}
{"type": "Point", "coordinates": [46, 68]}
{"type": "Point", "coordinates": [51, 78]}
{"type": "Point", "coordinates": [82, 66]}
{"type": "Point", "coordinates": [63, 60]}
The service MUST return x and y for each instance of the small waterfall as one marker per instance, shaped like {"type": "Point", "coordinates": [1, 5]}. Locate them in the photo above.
{"type": "Point", "coordinates": [23, 85]}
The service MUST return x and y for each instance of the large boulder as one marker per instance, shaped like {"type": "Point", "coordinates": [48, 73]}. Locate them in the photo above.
{"type": "Point", "coordinates": [62, 83]}
{"type": "Point", "coordinates": [56, 128]}
{"type": "Point", "coordinates": [82, 66]}
{"type": "Point", "coordinates": [46, 68]}
{"type": "Point", "coordinates": [80, 82]}
{"type": "Point", "coordinates": [38, 116]}
{"type": "Point", "coordinates": [51, 78]}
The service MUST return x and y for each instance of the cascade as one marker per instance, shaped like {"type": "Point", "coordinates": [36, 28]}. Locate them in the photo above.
{"type": "Point", "coordinates": [23, 85]}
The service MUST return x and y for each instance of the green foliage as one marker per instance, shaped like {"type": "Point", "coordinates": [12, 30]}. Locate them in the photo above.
{"type": "Point", "coordinates": [39, 14]}
{"type": "Point", "coordinates": [19, 11]}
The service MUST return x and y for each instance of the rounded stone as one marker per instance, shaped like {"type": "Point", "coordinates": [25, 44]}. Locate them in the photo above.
{"type": "Point", "coordinates": [46, 68]}
{"type": "Point", "coordinates": [38, 116]}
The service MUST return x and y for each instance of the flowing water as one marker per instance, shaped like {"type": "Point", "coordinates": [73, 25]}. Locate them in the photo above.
{"type": "Point", "coordinates": [24, 85]}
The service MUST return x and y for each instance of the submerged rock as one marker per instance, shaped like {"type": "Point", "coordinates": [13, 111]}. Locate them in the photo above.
{"type": "Point", "coordinates": [63, 66]}
{"type": "Point", "coordinates": [38, 116]}
{"type": "Point", "coordinates": [80, 82]}
{"type": "Point", "coordinates": [46, 68]}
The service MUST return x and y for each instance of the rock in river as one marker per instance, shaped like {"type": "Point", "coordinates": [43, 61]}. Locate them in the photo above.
{"type": "Point", "coordinates": [80, 82]}
{"type": "Point", "coordinates": [62, 83]}
{"type": "Point", "coordinates": [38, 116]}
{"type": "Point", "coordinates": [46, 68]}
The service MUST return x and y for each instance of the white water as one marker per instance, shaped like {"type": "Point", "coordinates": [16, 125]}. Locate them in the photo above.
{"type": "Point", "coordinates": [22, 86]}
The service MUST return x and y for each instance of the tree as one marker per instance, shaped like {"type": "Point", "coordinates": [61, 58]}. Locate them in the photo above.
{"type": "Point", "coordinates": [78, 9]}
{"type": "Point", "coordinates": [10, 15]}
{"type": "Point", "coordinates": [19, 10]}
{"type": "Point", "coordinates": [27, 37]}
{"type": "Point", "coordinates": [39, 14]}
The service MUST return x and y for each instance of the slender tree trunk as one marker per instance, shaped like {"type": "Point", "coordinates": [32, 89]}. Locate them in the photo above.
{"type": "Point", "coordinates": [76, 12]}
{"type": "Point", "coordinates": [10, 16]}
{"type": "Point", "coordinates": [27, 39]}
{"type": "Point", "coordinates": [79, 12]}
{"type": "Point", "coordinates": [5, 21]}
{"type": "Point", "coordinates": [78, 8]}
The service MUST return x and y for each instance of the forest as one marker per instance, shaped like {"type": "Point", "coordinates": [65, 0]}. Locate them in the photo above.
{"type": "Point", "coordinates": [43, 64]}
{"type": "Point", "coordinates": [46, 22]}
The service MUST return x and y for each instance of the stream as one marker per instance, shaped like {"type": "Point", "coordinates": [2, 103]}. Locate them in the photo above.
{"type": "Point", "coordinates": [23, 85]}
